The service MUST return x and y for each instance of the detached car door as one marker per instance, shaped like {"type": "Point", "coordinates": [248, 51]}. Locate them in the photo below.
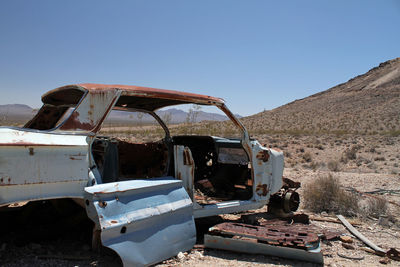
{"type": "Point", "coordinates": [144, 221]}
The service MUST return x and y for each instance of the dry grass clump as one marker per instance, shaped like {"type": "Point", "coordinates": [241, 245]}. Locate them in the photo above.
{"type": "Point", "coordinates": [334, 165]}
{"type": "Point", "coordinates": [349, 154]}
{"type": "Point", "coordinates": [376, 207]}
{"type": "Point", "coordinates": [307, 157]}
{"type": "Point", "coordinates": [326, 194]}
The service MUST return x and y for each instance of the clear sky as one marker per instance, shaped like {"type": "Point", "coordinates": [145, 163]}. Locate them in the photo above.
{"type": "Point", "coordinates": [255, 54]}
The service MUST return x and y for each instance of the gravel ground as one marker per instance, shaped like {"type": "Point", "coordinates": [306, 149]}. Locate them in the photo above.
{"type": "Point", "coordinates": [59, 234]}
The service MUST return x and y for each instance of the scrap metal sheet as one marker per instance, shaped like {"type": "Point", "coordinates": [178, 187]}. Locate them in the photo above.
{"type": "Point", "coordinates": [289, 242]}
{"type": "Point", "coordinates": [144, 221]}
{"type": "Point", "coordinates": [253, 247]}
{"type": "Point", "coordinates": [288, 236]}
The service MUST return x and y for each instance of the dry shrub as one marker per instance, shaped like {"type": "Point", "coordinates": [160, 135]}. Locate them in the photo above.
{"type": "Point", "coordinates": [307, 157]}
{"type": "Point", "coordinates": [350, 154]}
{"type": "Point", "coordinates": [326, 194]}
{"type": "Point", "coordinates": [376, 207]}
{"type": "Point", "coordinates": [334, 165]}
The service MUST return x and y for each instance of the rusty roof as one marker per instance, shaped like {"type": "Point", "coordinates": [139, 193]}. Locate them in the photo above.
{"type": "Point", "coordinates": [175, 97]}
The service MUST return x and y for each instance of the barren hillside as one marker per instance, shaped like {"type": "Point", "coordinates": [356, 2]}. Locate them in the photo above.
{"type": "Point", "coordinates": [366, 104]}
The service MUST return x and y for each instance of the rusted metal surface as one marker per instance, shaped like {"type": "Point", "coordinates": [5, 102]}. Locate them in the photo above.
{"type": "Point", "coordinates": [279, 235]}
{"type": "Point", "coordinates": [154, 93]}
{"type": "Point", "coordinates": [262, 189]}
{"type": "Point", "coordinates": [91, 111]}
{"type": "Point", "coordinates": [294, 241]}
{"type": "Point", "coordinates": [300, 222]}
{"type": "Point", "coordinates": [393, 254]}
{"type": "Point", "coordinates": [184, 168]}
{"type": "Point", "coordinates": [58, 150]}
{"type": "Point", "coordinates": [263, 155]}
{"type": "Point", "coordinates": [286, 199]}
{"type": "Point", "coordinates": [187, 157]}
{"type": "Point", "coordinates": [176, 97]}
{"type": "Point", "coordinates": [289, 183]}
{"type": "Point", "coordinates": [251, 246]}
{"type": "Point", "coordinates": [267, 167]}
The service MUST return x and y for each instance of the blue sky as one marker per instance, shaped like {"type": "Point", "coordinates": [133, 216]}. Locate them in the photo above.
{"type": "Point", "coordinates": [255, 54]}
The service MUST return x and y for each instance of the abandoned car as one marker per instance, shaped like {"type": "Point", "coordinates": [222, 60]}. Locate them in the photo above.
{"type": "Point", "coordinates": [138, 194]}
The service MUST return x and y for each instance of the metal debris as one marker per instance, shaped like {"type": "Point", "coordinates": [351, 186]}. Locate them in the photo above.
{"type": "Point", "coordinates": [283, 241]}
{"type": "Point", "coordinates": [393, 254]}
{"type": "Point", "coordinates": [144, 221]}
{"type": "Point", "coordinates": [359, 235]}
{"type": "Point", "coordinates": [287, 236]}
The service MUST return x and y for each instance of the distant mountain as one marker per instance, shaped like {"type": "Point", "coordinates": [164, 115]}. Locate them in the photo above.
{"type": "Point", "coordinates": [171, 115]}
{"type": "Point", "coordinates": [366, 104]}
{"type": "Point", "coordinates": [18, 113]}
{"type": "Point", "coordinates": [15, 109]}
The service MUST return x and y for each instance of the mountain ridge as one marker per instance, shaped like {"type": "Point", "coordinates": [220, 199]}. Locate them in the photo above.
{"type": "Point", "coordinates": [19, 113]}
{"type": "Point", "coordinates": [368, 103]}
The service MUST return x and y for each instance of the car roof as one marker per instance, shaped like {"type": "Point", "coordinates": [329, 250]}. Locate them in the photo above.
{"type": "Point", "coordinates": [131, 96]}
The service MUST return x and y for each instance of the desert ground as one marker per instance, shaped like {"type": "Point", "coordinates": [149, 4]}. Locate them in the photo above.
{"type": "Point", "coordinates": [366, 163]}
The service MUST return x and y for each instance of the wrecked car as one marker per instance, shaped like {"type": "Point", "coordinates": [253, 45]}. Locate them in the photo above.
{"type": "Point", "coordinates": [139, 195]}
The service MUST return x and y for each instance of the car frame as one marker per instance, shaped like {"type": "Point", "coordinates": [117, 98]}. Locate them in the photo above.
{"type": "Point", "coordinates": [64, 157]}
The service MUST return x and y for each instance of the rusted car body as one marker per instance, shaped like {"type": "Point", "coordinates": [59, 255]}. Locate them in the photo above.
{"type": "Point", "coordinates": [139, 195]}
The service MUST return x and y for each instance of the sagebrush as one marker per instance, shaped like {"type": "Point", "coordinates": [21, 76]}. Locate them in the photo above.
{"type": "Point", "coordinates": [326, 194]}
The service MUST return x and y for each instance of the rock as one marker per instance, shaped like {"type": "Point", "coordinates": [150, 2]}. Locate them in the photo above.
{"type": "Point", "coordinates": [384, 260]}
{"type": "Point", "coordinates": [181, 256]}
{"type": "Point", "coordinates": [324, 213]}
{"type": "Point", "coordinates": [348, 246]}
{"type": "Point", "coordinates": [199, 254]}
{"type": "Point", "coordinates": [346, 239]}
{"type": "Point", "coordinates": [383, 221]}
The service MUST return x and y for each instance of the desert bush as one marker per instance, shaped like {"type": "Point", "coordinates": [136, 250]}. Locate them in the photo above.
{"type": "Point", "coordinates": [394, 133]}
{"type": "Point", "coordinates": [315, 165]}
{"type": "Point", "coordinates": [349, 154]}
{"type": "Point", "coordinates": [334, 165]}
{"type": "Point", "coordinates": [326, 194]}
{"type": "Point", "coordinates": [372, 166]}
{"type": "Point", "coordinates": [287, 154]}
{"type": "Point", "coordinates": [320, 147]}
{"type": "Point", "coordinates": [379, 159]}
{"type": "Point", "coordinates": [375, 207]}
{"type": "Point", "coordinates": [307, 157]}
{"type": "Point", "coordinates": [301, 150]}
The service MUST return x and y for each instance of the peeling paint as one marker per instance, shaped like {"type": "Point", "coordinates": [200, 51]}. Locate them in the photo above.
{"type": "Point", "coordinates": [262, 190]}
{"type": "Point", "coordinates": [263, 155]}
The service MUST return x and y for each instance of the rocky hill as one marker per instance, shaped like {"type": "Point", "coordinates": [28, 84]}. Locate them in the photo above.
{"type": "Point", "coordinates": [366, 104]}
